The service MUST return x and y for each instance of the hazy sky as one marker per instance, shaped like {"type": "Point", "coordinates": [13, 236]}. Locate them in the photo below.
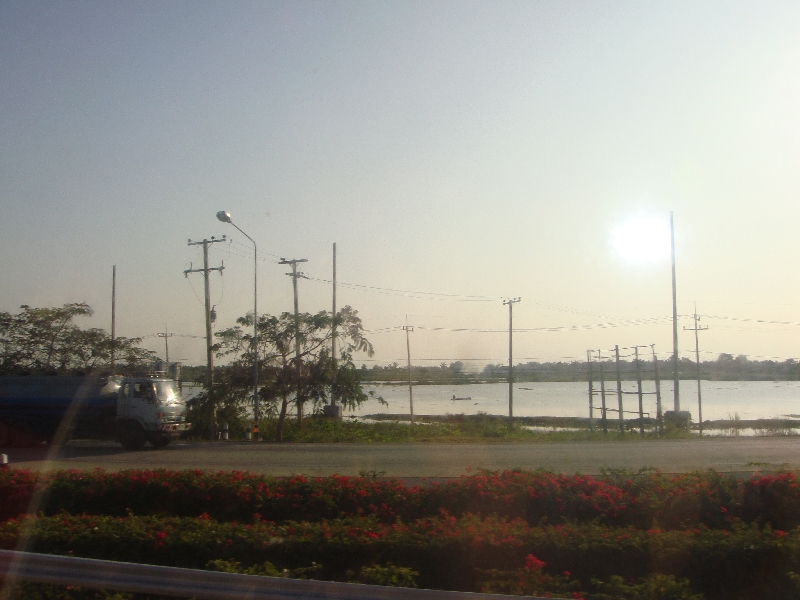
{"type": "Point", "coordinates": [486, 149]}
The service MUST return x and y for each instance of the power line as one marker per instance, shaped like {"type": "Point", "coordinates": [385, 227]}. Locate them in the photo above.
{"type": "Point", "coordinates": [411, 293]}
{"type": "Point", "coordinates": [247, 248]}
{"type": "Point", "coordinates": [763, 321]}
{"type": "Point", "coordinates": [631, 322]}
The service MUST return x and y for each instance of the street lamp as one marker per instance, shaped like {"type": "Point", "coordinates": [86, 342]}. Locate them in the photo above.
{"type": "Point", "coordinates": [225, 217]}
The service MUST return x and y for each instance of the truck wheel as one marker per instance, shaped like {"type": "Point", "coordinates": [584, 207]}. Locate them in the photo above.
{"type": "Point", "coordinates": [159, 441]}
{"type": "Point", "coordinates": [132, 437]}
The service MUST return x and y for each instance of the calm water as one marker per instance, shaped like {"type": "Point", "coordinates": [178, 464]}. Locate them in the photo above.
{"type": "Point", "coordinates": [721, 399]}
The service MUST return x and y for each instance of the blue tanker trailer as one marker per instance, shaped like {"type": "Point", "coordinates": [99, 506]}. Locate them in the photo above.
{"type": "Point", "coordinates": [132, 410]}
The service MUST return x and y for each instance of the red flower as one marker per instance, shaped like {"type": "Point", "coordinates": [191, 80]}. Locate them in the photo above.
{"type": "Point", "coordinates": [779, 533]}
{"type": "Point", "coordinates": [533, 564]}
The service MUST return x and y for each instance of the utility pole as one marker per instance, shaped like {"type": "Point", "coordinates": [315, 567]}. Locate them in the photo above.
{"type": "Point", "coordinates": [591, 389]}
{"type": "Point", "coordinates": [697, 329]}
{"type": "Point", "coordinates": [294, 275]}
{"type": "Point", "coordinates": [333, 325]}
{"type": "Point", "coordinates": [619, 393]}
{"type": "Point", "coordinates": [676, 386]}
{"type": "Point", "coordinates": [408, 329]}
{"type": "Point", "coordinates": [205, 271]}
{"type": "Point", "coordinates": [639, 389]}
{"type": "Point", "coordinates": [659, 414]}
{"type": "Point", "coordinates": [166, 337]}
{"type": "Point", "coordinates": [602, 391]}
{"type": "Point", "coordinates": [113, 320]}
{"type": "Point", "coordinates": [510, 302]}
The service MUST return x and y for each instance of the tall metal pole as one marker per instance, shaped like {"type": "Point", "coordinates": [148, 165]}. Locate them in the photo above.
{"type": "Point", "coordinates": [410, 384]}
{"type": "Point", "coordinates": [676, 385]}
{"type": "Point", "coordinates": [255, 340]}
{"type": "Point", "coordinates": [114, 320]}
{"type": "Point", "coordinates": [619, 393]}
{"type": "Point", "coordinates": [510, 302]}
{"type": "Point", "coordinates": [333, 326]}
{"type": "Point", "coordinates": [226, 218]}
{"type": "Point", "coordinates": [591, 389]}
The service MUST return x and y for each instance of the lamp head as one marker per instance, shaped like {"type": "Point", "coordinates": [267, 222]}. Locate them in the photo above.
{"type": "Point", "coordinates": [224, 216]}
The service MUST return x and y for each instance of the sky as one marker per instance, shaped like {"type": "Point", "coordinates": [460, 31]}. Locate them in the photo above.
{"type": "Point", "coordinates": [458, 153]}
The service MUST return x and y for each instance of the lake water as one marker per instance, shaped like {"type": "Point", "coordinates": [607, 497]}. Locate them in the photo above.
{"type": "Point", "coordinates": [721, 399]}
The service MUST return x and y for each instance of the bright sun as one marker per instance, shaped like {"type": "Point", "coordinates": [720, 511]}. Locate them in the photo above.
{"type": "Point", "coordinates": [641, 240]}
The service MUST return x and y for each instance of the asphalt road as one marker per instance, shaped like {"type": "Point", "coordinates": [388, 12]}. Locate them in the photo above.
{"type": "Point", "coordinates": [424, 460]}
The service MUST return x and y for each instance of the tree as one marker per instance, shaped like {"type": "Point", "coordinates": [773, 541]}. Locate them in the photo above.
{"type": "Point", "coordinates": [46, 341]}
{"type": "Point", "coordinates": [282, 380]}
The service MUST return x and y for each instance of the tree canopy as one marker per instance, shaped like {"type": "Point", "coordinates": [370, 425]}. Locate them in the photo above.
{"type": "Point", "coordinates": [285, 377]}
{"type": "Point", "coordinates": [39, 341]}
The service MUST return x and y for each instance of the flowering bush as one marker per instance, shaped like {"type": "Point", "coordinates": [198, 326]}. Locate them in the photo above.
{"type": "Point", "coordinates": [648, 499]}
{"type": "Point", "coordinates": [469, 553]}
{"type": "Point", "coordinates": [646, 535]}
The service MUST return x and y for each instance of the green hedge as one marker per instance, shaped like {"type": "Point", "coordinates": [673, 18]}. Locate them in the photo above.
{"type": "Point", "coordinates": [468, 553]}
{"type": "Point", "coordinates": [645, 500]}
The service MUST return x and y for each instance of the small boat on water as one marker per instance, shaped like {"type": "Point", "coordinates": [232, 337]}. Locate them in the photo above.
{"type": "Point", "coordinates": [467, 398]}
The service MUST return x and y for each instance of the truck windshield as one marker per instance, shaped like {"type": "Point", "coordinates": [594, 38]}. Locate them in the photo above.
{"type": "Point", "coordinates": [166, 392]}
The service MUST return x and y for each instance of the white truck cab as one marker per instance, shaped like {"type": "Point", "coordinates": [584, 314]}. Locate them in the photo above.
{"type": "Point", "coordinates": [149, 409]}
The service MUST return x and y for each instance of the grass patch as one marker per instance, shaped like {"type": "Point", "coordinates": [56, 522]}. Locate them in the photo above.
{"type": "Point", "coordinates": [451, 428]}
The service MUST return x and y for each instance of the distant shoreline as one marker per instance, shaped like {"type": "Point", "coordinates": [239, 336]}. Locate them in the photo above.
{"type": "Point", "coordinates": [787, 424]}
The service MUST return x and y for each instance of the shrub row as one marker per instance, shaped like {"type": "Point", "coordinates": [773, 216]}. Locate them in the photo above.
{"type": "Point", "coordinates": [645, 500]}
{"type": "Point", "coordinates": [469, 553]}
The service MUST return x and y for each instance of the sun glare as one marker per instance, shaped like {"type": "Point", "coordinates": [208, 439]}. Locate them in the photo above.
{"type": "Point", "coordinates": [641, 240]}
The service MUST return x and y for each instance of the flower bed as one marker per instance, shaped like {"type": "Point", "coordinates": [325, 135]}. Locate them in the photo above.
{"type": "Point", "coordinates": [468, 553]}
{"type": "Point", "coordinates": [647, 499]}
{"type": "Point", "coordinates": [645, 535]}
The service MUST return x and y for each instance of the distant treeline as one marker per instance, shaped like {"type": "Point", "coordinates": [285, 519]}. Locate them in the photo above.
{"type": "Point", "coordinates": [725, 368]}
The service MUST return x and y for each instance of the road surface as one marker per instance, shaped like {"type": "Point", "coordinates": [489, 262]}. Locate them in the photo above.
{"type": "Point", "coordinates": [425, 460]}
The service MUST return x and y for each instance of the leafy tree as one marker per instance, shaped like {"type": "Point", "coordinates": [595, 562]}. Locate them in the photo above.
{"type": "Point", "coordinates": [46, 341]}
{"type": "Point", "coordinates": [282, 378]}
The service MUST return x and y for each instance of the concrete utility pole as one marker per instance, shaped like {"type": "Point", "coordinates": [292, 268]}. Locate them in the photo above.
{"type": "Point", "coordinates": [602, 391]}
{"type": "Point", "coordinates": [166, 337]}
{"type": "Point", "coordinates": [659, 414]}
{"type": "Point", "coordinates": [333, 324]}
{"type": "Point", "coordinates": [205, 271]}
{"type": "Point", "coordinates": [676, 387]}
{"type": "Point", "coordinates": [639, 389]}
{"type": "Point", "coordinates": [294, 275]}
{"type": "Point", "coordinates": [408, 329]}
{"type": "Point", "coordinates": [697, 329]}
{"type": "Point", "coordinates": [113, 320]}
{"type": "Point", "coordinates": [510, 302]}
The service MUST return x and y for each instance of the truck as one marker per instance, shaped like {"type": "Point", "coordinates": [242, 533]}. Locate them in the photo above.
{"type": "Point", "coordinates": [132, 410]}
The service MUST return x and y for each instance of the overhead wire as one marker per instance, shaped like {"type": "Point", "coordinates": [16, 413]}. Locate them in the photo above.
{"type": "Point", "coordinates": [410, 293]}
